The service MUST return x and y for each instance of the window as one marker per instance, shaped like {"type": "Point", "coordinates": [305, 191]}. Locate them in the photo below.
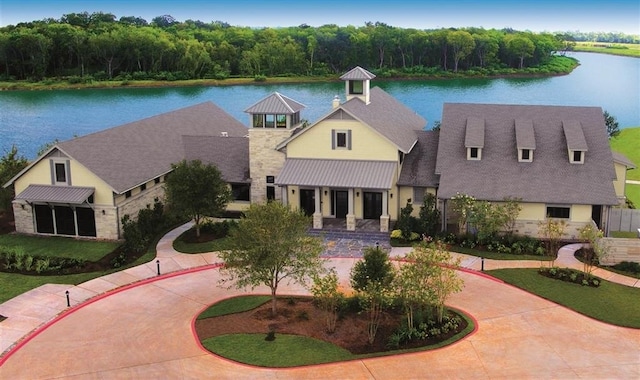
{"type": "Point", "coordinates": [61, 172]}
{"type": "Point", "coordinates": [156, 181]}
{"type": "Point", "coordinates": [525, 155]}
{"type": "Point", "coordinates": [281, 121]}
{"type": "Point", "coordinates": [240, 191]}
{"type": "Point", "coordinates": [127, 194]}
{"type": "Point", "coordinates": [341, 139]}
{"type": "Point", "coordinates": [258, 121]}
{"type": "Point", "coordinates": [269, 121]}
{"type": "Point", "coordinates": [271, 179]}
{"type": "Point", "coordinates": [418, 195]}
{"type": "Point", "coordinates": [474, 153]}
{"type": "Point", "coordinates": [561, 212]}
{"type": "Point", "coordinates": [271, 193]}
{"type": "Point", "coordinates": [576, 157]}
{"type": "Point", "coordinates": [143, 187]}
{"type": "Point", "coordinates": [356, 87]}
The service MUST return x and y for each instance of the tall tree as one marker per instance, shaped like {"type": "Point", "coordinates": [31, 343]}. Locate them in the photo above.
{"type": "Point", "coordinates": [462, 45]}
{"type": "Point", "coordinates": [196, 190]}
{"type": "Point", "coordinates": [270, 245]}
{"type": "Point", "coordinates": [520, 46]}
{"type": "Point", "coordinates": [10, 165]}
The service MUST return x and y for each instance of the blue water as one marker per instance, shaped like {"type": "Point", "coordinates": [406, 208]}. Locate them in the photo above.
{"type": "Point", "coordinates": [30, 119]}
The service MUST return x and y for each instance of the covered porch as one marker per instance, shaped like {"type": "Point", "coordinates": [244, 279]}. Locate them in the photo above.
{"type": "Point", "coordinates": [345, 193]}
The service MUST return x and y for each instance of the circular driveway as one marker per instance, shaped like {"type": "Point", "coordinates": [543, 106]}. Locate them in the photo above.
{"type": "Point", "coordinates": [145, 332]}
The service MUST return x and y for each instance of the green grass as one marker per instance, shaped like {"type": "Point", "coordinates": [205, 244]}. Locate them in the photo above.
{"type": "Point", "coordinates": [284, 351]}
{"type": "Point", "coordinates": [234, 305]}
{"type": "Point", "coordinates": [624, 234]}
{"type": "Point", "coordinates": [90, 250]}
{"type": "Point", "coordinates": [497, 255]}
{"type": "Point", "coordinates": [209, 246]}
{"type": "Point", "coordinates": [253, 349]}
{"type": "Point", "coordinates": [627, 50]}
{"type": "Point", "coordinates": [611, 303]}
{"type": "Point", "coordinates": [627, 143]}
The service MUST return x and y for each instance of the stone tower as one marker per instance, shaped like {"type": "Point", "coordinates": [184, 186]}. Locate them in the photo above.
{"type": "Point", "coordinates": [272, 120]}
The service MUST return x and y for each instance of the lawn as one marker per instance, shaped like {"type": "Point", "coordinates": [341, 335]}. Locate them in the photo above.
{"type": "Point", "coordinates": [627, 143]}
{"type": "Point", "coordinates": [627, 50]}
{"type": "Point", "coordinates": [13, 284]}
{"type": "Point", "coordinates": [611, 303]}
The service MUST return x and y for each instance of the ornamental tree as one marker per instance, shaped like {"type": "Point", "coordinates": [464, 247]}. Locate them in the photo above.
{"type": "Point", "coordinates": [269, 245]}
{"type": "Point", "coordinates": [196, 190]}
{"type": "Point", "coordinates": [10, 165]}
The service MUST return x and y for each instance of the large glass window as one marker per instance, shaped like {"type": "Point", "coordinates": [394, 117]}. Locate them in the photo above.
{"type": "Point", "coordinates": [258, 121]}
{"type": "Point", "coordinates": [269, 121]}
{"type": "Point", "coordinates": [281, 121]}
{"type": "Point", "coordinates": [240, 191]}
{"type": "Point", "coordinates": [356, 87]}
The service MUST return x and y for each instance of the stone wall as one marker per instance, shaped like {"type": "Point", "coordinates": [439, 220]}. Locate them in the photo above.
{"type": "Point", "coordinates": [531, 228]}
{"type": "Point", "coordinates": [265, 160]}
{"type": "Point", "coordinates": [131, 206]}
{"type": "Point", "coordinates": [23, 215]}
{"type": "Point", "coordinates": [621, 250]}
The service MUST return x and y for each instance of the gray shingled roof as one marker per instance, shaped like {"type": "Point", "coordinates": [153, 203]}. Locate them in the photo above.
{"type": "Point", "coordinates": [229, 154]}
{"type": "Point", "coordinates": [357, 73]}
{"type": "Point", "coordinates": [574, 135]}
{"type": "Point", "coordinates": [624, 160]}
{"type": "Point", "coordinates": [275, 103]}
{"type": "Point", "coordinates": [389, 117]}
{"type": "Point", "coordinates": [550, 178]}
{"type": "Point", "coordinates": [56, 194]}
{"type": "Point", "coordinates": [337, 173]}
{"type": "Point", "coordinates": [474, 133]}
{"type": "Point", "coordinates": [419, 166]}
{"type": "Point", "coordinates": [131, 154]}
{"type": "Point", "coordinates": [525, 135]}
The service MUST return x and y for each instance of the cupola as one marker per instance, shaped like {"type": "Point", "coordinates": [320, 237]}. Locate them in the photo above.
{"type": "Point", "coordinates": [275, 111]}
{"type": "Point", "coordinates": [358, 83]}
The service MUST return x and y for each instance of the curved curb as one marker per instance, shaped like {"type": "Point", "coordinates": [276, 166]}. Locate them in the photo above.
{"type": "Point", "coordinates": [26, 339]}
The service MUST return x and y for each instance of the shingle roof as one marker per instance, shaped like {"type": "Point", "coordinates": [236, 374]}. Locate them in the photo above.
{"type": "Point", "coordinates": [624, 160]}
{"type": "Point", "coordinates": [56, 194]}
{"type": "Point", "coordinates": [389, 117]}
{"type": "Point", "coordinates": [275, 103]}
{"type": "Point", "coordinates": [357, 73]}
{"type": "Point", "coordinates": [131, 154]}
{"type": "Point", "coordinates": [574, 135]}
{"type": "Point", "coordinates": [337, 173]}
{"type": "Point", "coordinates": [474, 133]}
{"type": "Point", "coordinates": [229, 154]}
{"type": "Point", "coordinates": [525, 136]}
{"type": "Point", "coordinates": [419, 167]}
{"type": "Point", "coordinates": [550, 178]}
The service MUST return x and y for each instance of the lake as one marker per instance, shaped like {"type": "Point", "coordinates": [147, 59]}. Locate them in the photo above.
{"type": "Point", "coordinates": [30, 119]}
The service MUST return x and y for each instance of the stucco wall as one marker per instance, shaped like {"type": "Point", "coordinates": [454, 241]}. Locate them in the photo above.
{"type": "Point", "coordinates": [366, 144]}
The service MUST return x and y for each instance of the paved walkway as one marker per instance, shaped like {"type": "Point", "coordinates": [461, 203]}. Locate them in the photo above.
{"type": "Point", "coordinates": [135, 324]}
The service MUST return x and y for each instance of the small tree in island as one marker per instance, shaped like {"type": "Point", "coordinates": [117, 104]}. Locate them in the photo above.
{"type": "Point", "coordinates": [269, 245]}
{"type": "Point", "coordinates": [196, 190]}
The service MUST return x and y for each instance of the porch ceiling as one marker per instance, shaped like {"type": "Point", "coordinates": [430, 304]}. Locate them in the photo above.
{"type": "Point", "coordinates": [56, 194]}
{"type": "Point", "coordinates": [337, 173]}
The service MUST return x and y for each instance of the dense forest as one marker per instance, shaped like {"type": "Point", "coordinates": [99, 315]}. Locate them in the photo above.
{"type": "Point", "coordinates": [98, 46]}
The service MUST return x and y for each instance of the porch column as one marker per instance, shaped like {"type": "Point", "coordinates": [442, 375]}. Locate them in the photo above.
{"type": "Point", "coordinates": [384, 218]}
{"type": "Point", "coordinates": [283, 194]}
{"type": "Point", "coordinates": [75, 221]}
{"type": "Point", "coordinates": [317, 215]}
{"type": "Point", "coordinates": [351, 217]}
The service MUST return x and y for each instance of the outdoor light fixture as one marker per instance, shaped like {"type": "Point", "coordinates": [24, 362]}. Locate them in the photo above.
{"type": "Point", "coordinates": [325, 192]}
{"type": "Point", "coordinates": [391, 195]}
{"type": "Point", "coordinates": [103, 212]}
{"type": "Point", "coordinates": [357, 193]}
{"type": "Point", "coordinates": [293, 191]}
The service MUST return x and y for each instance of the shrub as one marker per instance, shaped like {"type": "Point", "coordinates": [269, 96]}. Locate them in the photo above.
{"type": "Point", "coordinates": [628, 266]}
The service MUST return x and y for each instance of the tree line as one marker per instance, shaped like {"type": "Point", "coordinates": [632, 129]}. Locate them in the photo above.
{"type": "Point", "coordinates": [99, 46]}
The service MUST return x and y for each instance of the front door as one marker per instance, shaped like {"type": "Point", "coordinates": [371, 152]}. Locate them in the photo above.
{"type": "Point", "coordinates": [308, 201]}
{"type": "Point", "coordinates": [372, 207]}
{"type": "Point", "coordinates": [340, 203]}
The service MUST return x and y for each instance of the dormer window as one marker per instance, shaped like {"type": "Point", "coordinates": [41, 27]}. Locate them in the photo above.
{"type": "Point", "coordinates": [576, 157]}
{"type": "Point", "coordinates": [474, 153]}
{"type": "Point", "coordinates": [525, 155]}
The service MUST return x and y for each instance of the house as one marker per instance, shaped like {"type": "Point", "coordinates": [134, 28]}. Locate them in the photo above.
{"type": "Point", "coordinates": [84, 186]}
{"type": "Point", "coordinates": [363, 161]}
{"type": "Point", "coordinates": [555, 159]}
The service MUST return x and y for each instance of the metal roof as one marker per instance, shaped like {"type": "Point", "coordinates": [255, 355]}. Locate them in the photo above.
{"type": "Point", "coordinates": [337, 173]}
{"type": "Point", "coordinates": [357, 73]}
{"type": "Point", "coordinates": [56, 194]}
{"type": "Point", "coordinates": [275, 103]}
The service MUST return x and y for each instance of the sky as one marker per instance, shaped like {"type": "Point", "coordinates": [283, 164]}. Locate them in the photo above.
{"type": "Point", "coordinates": [536, 16]}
